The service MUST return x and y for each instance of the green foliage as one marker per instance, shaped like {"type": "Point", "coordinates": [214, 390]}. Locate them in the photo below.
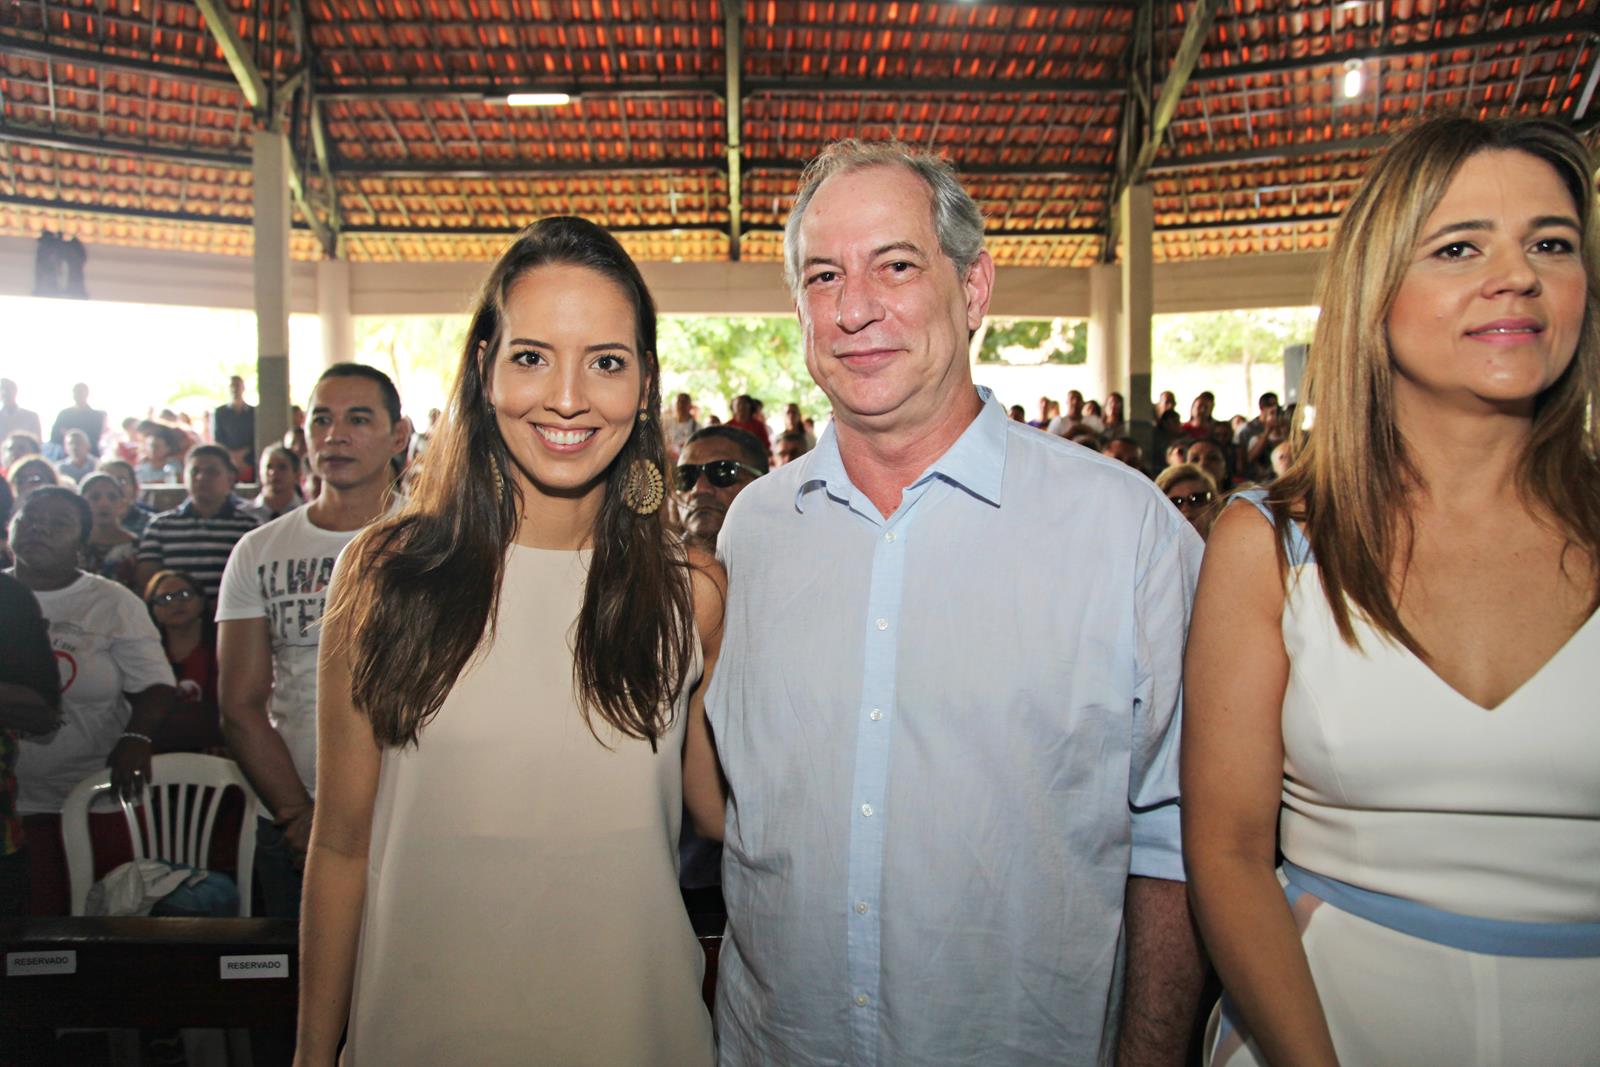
{"type": "Point", "coordinates": [1062, 341]}
{"type": "Point", "coordinates": [1252, 336]}
{"type": "Point", "coordinates": [715, 358]}
{"type": "Point", "coordinates": [420, 352]}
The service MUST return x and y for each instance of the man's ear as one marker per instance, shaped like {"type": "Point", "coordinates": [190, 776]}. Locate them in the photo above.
{"type": "Point", "coordinates": [979, 287]}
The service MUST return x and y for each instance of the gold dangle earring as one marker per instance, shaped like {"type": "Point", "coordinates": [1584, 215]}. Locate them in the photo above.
{"type": "Point", "coordinates": [644, 488]}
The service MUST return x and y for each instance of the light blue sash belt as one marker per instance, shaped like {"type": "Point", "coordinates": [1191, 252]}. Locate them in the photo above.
{"type": "Point", "coordinates": [1470, 933]}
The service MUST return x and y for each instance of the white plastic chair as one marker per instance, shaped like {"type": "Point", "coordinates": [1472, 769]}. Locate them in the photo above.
{"type": "Point", "coordinates": [187, 791]}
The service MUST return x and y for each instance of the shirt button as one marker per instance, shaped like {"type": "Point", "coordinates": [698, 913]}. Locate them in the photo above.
{"type": "Point", "coordinates": [866, 809]}
{"type": "Point", "coordinates": [861, 907]}
{"type": "Point", "coordinates": [883, 624]}
{"type": "Point", "coordinates": [875, 714]}
{"type": "Point", "coordinates": [889, 537]}
{"type": "Point", "coordinates": [861, 1000]}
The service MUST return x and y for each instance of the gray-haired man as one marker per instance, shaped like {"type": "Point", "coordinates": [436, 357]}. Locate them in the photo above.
{"type": "Point", "coordinates": [952, 833]}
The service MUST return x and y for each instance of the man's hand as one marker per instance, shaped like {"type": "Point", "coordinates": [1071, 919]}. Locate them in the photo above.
{"type": "Point", "coordinates": [130, 766]}
{"type": "Point", "coordinates": [296, 825]}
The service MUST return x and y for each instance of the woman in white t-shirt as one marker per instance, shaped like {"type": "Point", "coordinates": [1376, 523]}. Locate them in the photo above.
{"type": "Point", "coordinates": [116, 685]}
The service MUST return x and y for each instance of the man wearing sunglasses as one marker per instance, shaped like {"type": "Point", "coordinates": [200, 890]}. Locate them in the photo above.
{"type": "Point", "coordinates": [947, 699]}
{"type": "Point", "coordinates": [716, 464]}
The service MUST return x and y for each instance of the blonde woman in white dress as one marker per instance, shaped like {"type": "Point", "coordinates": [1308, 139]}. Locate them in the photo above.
{"type": "Point", "coordinates": [1390, 670]}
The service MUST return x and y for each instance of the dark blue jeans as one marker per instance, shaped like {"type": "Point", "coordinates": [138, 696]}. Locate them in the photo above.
{"type": "Point", "coordinates": [277, 873]}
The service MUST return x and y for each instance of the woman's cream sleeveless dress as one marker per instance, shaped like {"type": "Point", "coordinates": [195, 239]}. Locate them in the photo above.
{"type": "Point", "coordinates": [1414, 823]}
{"type": "Point", "coordinates": [522, 898]}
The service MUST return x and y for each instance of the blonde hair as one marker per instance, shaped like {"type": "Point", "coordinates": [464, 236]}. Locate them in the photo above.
{"type": "Point", "coordinates": [1351, 474]}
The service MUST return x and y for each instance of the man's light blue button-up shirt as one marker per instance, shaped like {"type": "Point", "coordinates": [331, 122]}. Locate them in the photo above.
{"type": "Point", "coordinates": [950, 736]}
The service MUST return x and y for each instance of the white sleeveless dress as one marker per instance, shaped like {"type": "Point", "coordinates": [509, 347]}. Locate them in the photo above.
{"type": "Point", "coordinates": [522, 895]}
{"type": "Point", "coordinates": [1412, 805]}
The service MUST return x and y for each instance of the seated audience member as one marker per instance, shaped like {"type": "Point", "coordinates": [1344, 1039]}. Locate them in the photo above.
{"type": "Point", "coordinates": [135, 515]}
{"type": "Point", "coordinates": [19, 446]}
{"type": "Point", "coordinates": [32, 473]}
{"type": "Point", "coordinates": [1261, 437]}
{"type": "Point", "coordinates": [1174, 454]}
{"type": "Point", "coordinates": [1282, 456]}
{"type": "Point", "coordinates": [681, 425]}
{"type": "Point", "coordinates": [1167, 401]}
{"type": "Point", "coordinates": [233, 426]}
{"type": "Point", "coordinates": [1193, 492]}
{"type": "Point", "coordinates": [1116, 424]}
{"type": "Point", "coordinates": [161, 446]}
{"type": "Point", "coordinates": [117, 687]}
{"type": "Point", "coordinates": [30, 705]}
{"type": "Point", "coordinates": [1209, 457]}
{"type": "Point", "coordinates": [79, 464]}
{"type": "Point", "coordinates": [714, 467]}
{"type": "Point", "coordinates": [1017, 413]}
{"type": "Point", "coordinates": [111, 551]}
{"type": "Point", "coordinates": [1126, 450]}
{"type": "Point", "coordinates": [794, 422]}
{"type": "Point", "coordinates": [1093, 417]}
{"type": "Point", "coordinates": [280, 484]}
{"type": "Point", "coordinates": [126, 445]}
{"type": "Point", "coordinates": [1043, 420]}
{"type": "Point", "coordinates": [189, 638]}
{"type": "Point", "coordinates": [791, 446]}
{"type": "Point", "coordinates": [294, 439]}
{"type": "Point", "coordinates": [80, 416]}
{"type": "Point", "coordinates": [1071, 415]}
{"type": "Point", "coordinates": [1201, 425]}
{"type": "Point", "coordinates": [14, 418]}
{"type": "Point", "coordinates": [197, 536]}
{"type": "Point", "coordinates": [744, 418]}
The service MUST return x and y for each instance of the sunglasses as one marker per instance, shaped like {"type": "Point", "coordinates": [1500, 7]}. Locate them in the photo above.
{"type": "Point", "coordinates": [161, 600]}
{"type": "Point", "coordinates": [1194, 500]}
{"type": "Point", "coordinates": [719, 472]}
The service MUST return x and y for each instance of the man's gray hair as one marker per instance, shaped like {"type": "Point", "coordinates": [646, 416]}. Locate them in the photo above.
{"type": "Point", "coordinates": [957, 219]}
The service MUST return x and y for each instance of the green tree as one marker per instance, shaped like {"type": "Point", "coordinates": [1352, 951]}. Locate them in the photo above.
{"type": "Point", "coordinates": [1250, 336]}
{"type": "Point", "coordinates": [1033, 341]}
{"type": "Point", "coordinates": [715, 358]}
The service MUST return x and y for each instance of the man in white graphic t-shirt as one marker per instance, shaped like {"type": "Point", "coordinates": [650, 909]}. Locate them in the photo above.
{"type": "Point", "coordinates": [270, 613]}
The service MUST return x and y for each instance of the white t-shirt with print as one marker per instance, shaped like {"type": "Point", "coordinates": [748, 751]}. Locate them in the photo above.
{"type": "Point", "coordinates": [106, 647]}
{"type": "Point", "coordinates": [280, 572]}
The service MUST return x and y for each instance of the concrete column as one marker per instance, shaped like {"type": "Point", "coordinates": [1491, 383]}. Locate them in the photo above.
{"type": "Point", "coordinates": [333, 309]}
{"type": "Point", "coordinates": [1136, 217]}
{"type": "Point", "coordinates": [270, 163]}
{"type": "Point", "coordinates": [1107, 368]}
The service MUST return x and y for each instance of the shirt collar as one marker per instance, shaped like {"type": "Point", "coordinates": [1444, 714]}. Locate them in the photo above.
{"type": "Point", "coordinates": [975, 463]}
{"type": "Point", "coordinates": [229, 507]}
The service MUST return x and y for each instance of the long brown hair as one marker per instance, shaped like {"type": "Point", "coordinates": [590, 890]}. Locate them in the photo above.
{"type": "Point", "coordinates": [1351, 472]}
{"type": "Point", "coordinates": [427, 580]}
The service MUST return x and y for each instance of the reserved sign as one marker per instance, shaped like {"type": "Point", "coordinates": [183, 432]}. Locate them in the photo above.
{"type": "Point", "coordinates": [264, 966]}
{"type": "Point", "coordinates": [28, 964]}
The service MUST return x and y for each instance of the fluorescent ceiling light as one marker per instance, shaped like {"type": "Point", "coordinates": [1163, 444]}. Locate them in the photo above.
{"type": "Point", "coordinates": [538, 99]}
{"type": "Point", "coordinates": [1352, 78]}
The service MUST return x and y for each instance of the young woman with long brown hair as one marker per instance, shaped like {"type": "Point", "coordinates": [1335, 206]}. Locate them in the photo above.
{"type": "Point", "coordinates": [1390, 670]}
{"type": "Point", "coordinates": [508, 695]}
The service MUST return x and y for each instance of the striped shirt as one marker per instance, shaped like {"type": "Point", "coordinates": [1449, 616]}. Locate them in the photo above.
{"type": "Point", "coordinates": [185, 540]}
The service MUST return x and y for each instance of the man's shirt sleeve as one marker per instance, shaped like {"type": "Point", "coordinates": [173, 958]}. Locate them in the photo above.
{"type": "Point", "coordinates": [150, 543]}
{"type": "Point", "coordinates": [1164, 601]}
{"type": "Point", "coordinates": [240, 596]}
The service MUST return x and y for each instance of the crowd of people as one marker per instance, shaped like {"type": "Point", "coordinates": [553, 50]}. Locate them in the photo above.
{"type": "Point", "coordinates": [914, 696]}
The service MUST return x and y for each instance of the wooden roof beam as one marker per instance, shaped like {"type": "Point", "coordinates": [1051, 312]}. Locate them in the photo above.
{"type": "Point", "coordinates": [511, 168]}
{"type": "Point", "coordinates": [1529, 31]}
{"type": "Point", "coordinates": [245, 73]}
{"type": "Point", "coordinates": [1195, 32]}
{"type": "Point", "coordinates": [76, 143]}
{"type": "Point", "coordinates": [51, 52]}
